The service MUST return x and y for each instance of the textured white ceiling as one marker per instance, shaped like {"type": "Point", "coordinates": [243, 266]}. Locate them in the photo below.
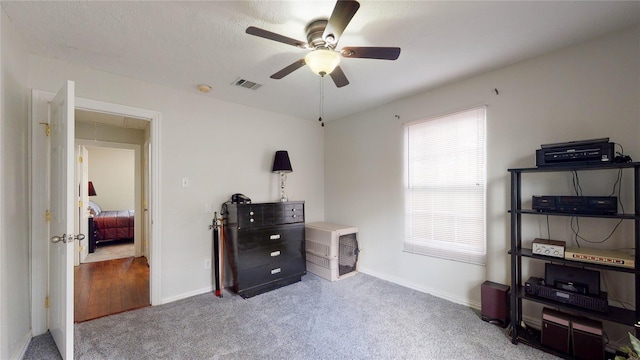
{"type": "Point", "coordinates": [183, 43]}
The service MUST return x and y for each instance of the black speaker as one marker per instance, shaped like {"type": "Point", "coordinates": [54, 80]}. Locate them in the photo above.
{"type": "Point", "coordinates": [587, 339]}
{"type": "Point", "coordinates": [556, 327]}
{"type": "Point", "coordinates": [495, 303]}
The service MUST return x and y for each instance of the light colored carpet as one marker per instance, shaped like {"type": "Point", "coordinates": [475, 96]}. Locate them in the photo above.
{"type": "Point", "coordinates": [110, 252]}
{"type": "Point", "coordinates": [360, 317]}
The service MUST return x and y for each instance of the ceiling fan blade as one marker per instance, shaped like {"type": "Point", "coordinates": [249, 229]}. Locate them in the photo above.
{"type": "Point", "coordinates": [382, 53]}
{"type": "Point", "coordinates": [338, 77]}
{"type": "Point", "coordinates": [289, 69]}
{"type": "Point", "coordinates": [340, 18]}
{"type": "Point", "coordinates": [252, 30]}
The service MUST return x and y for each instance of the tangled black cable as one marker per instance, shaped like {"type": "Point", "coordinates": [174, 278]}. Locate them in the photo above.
{"type": "Point", "coordinates": [616, 190]}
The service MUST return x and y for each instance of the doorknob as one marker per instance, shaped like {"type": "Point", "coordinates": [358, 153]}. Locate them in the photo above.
{"type": "Point", "coordinates": [65, 239]}
{"type": "Point", "coordinates": [57, 239]}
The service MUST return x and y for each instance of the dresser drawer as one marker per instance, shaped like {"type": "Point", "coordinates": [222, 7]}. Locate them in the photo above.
{"type": "Point", "coordinates": [249, 240]}
{"type": "Point", "coordinates": [251, 216]}
{"type": "Point", "coordinates": [271, 272]}
{"type": "Point", "coordinates": [293, 213]}
{"type": "Point", "coordinates": [255, 215]}
{"type": "Point", "coordinates": [278, 251]}
{"type": "Point", "coordinates": [289, 213]}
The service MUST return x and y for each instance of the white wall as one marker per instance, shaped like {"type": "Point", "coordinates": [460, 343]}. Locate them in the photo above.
{"type": "Point", "coordinates": [582, 92]}
{"type": "Point", "coordinates": [15, 319]}
{"type": "Point", "coordinates": [113, 176]}
{"type": "Point", "coordinates": [223, 148]}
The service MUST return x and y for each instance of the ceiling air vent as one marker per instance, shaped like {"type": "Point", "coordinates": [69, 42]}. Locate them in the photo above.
{"type": "Point", "coordinates": [247, 84]}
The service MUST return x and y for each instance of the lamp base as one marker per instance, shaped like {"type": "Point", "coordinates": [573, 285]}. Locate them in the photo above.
{"type": "Point", "coordinates": [283, 194]}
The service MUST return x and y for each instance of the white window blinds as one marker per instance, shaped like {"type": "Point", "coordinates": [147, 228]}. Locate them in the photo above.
{"type": "Point", "coordinates": [445, 186]}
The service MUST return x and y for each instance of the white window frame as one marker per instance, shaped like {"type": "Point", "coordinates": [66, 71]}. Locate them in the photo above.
{"type": "Point", "coordinates": [445, 186]}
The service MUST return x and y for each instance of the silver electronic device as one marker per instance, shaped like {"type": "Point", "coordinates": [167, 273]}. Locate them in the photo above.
{"type": "Point", "coordinates": [548, 247]}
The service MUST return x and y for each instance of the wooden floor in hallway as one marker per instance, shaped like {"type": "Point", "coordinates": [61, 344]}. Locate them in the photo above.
{"type": "Point", "coordinates": [109, 287]}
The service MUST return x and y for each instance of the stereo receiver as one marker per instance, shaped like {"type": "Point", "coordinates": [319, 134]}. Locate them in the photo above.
{"type": "Point", "coordinates": [597, 205]}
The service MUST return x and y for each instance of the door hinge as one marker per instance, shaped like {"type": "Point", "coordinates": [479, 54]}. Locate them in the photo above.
{"type": "Point", "coordinates": [46, 302]}
{"type": "Point", "coordinates": [80, 159]}
{"type": "Point", "coordinates": [47, 128]}
{"type": "Point", "coordinates": [80, 249]}
{"type": "Point", "coordinates": [47, 216]}
{"type": "Point", "coordinates": [80, 204]}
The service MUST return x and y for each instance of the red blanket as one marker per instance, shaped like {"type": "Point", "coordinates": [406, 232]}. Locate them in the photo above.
{"type": "Point", "coordinates": [114, 225]}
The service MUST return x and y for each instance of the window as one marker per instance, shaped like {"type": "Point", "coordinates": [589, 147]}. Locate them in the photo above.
{"type": "Point", "coordinates": [445, 186]}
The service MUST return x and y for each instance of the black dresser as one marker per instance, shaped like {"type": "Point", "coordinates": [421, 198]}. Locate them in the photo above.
{"type": "Point", "coordinates": [264, 244]}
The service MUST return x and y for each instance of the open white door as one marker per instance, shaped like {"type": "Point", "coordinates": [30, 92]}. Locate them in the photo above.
{"type": "Point", "coordinates": [62, 210]}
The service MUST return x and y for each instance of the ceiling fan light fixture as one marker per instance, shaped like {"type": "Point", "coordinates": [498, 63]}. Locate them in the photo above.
{"type": "Point", "coordinates": [322, 61]}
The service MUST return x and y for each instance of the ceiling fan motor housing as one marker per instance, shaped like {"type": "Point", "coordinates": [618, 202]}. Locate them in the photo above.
{"type": "Point", "coordinates": [315, 29]}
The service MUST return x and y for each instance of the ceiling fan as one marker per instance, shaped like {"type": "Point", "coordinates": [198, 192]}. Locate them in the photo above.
{"type": "Point", "coordinates": [322, 39]}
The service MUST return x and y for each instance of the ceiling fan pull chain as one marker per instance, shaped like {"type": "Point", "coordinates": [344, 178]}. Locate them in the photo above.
{"type": "Point", "coordinates": [321, 100]}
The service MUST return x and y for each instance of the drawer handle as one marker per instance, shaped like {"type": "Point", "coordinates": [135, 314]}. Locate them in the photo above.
{"type": "Point", "coordinates": [274, 237]}
{"type": "Point", "coordinates": [251, 220]}
{"type": "Point", "coordinates": [294, 210]}
{"type": "Point", "coordinates": [275, 271]}
{"type": "Point", "coordinates": [275, 253]}
{"type": "Point", "coordinates": [294, 215]}
{"type": "Point", "coordinates": [251, 213]}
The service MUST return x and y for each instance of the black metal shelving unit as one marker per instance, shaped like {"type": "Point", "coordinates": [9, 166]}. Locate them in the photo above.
{"type": "Point", "coordinates": [517, 252]}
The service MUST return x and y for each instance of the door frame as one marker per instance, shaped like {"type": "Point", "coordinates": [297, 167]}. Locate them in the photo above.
{"type": "Point", "coordinates": [40, 197]}
{"type": "Point", "coordinates": [138, 195]}
{"type": "Point", "coordinates": [82, 215]}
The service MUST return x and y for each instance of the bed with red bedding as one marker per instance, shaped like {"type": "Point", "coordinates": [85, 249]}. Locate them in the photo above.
{"type": "Point", "coordinates": [112, 225]}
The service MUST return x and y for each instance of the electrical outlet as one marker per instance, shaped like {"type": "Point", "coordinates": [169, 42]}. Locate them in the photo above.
{"type": "Point", "coordinates": [207, 263]}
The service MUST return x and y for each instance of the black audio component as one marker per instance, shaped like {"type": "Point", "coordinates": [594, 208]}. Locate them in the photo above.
{"type": "Point", "coordinates": [583, 152]}
{"type": "Point", "coordinates": [536, 287]}
{"type": "Point", "coordinates": [598, 205]}
{"type": "Point", "coordinates": [574, 279]}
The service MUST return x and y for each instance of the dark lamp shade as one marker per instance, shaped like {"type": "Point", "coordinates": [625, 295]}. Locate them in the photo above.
{"type": "Point", "coordinates": [92, 190]}
{"type": "Point", "coordinates": [281, 162]}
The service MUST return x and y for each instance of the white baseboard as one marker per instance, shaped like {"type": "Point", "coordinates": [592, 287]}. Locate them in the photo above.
{"type": "Point", "coordinates": [24, 345]}
{"type": "Point", "coordinates": [421, 288]}
{"type": "Point", "coordinates": [403, 282]}
{"type": "Point", "coordinates": [186, 295]}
